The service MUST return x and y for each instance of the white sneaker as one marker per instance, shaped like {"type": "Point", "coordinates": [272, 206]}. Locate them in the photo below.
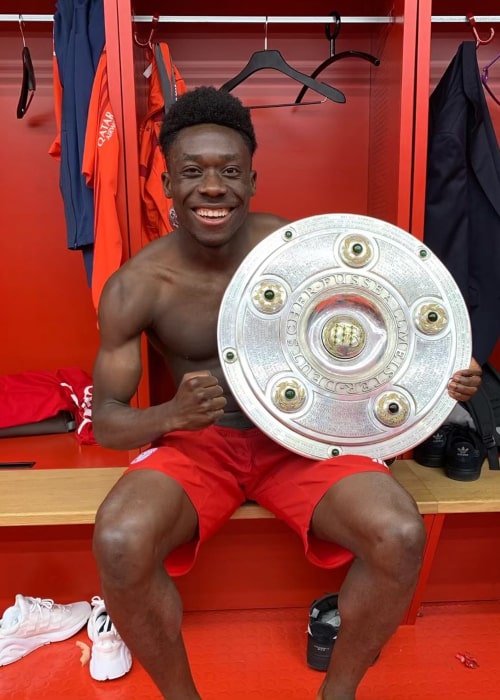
{"type": "Point", "coordinates": [32, 622]}
{"type": "Point", "coordinates": [110, 657]}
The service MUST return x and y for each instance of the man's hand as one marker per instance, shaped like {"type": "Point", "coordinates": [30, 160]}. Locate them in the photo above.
{"type": "Point", "coordinates": [198, 403]}
{"type": "Point", "coordinates": [464, 383]}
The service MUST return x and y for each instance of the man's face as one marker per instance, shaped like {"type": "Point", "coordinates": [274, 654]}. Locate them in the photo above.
{"type": "Point", "coordinates": [210, 180]}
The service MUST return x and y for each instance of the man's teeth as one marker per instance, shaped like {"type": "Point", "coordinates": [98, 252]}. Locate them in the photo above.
{"type": "Point", "coordinates": [213, 213]}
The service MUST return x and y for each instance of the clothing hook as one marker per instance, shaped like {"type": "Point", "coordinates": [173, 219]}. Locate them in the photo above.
{"type": "Point", "coordinates": [21, 22]}
{"type": "Point", "coordinates": [148, 42]}
{"type": "Point", "coordinates": [332, 35]}
{"type": "Point", "coordinates": [472, 21]}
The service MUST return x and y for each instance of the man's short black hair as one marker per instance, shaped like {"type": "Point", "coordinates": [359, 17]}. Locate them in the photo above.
{"type": "Point", "coordinates": [207, 105]}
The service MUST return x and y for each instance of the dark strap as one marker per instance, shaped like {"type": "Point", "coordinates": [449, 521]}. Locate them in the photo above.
{"type": "Point", "coordinates": [167, 78]}
{"type": "Point", "coordinates": [479, 407]}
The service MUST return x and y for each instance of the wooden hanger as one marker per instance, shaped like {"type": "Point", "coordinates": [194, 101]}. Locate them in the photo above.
{"type": "Point", "coordinates": [271, 58]}
{"type": "Point", "coordinates": [334, 57]}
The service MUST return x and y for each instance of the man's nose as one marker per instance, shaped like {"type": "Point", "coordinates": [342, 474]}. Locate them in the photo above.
{"type": "Point", "coordinates": [212, 183]}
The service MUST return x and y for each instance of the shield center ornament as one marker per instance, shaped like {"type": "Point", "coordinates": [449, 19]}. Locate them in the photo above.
{"type": "Point", "coordinates": [343, 337]}
{"type": "Point", "coordinates": [338, 334]}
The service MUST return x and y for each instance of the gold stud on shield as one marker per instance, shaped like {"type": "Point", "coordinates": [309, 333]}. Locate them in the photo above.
{"type": "Point", "coordinates": [431, 318]}
{"type": "Point", "coordinates": [289, 395]}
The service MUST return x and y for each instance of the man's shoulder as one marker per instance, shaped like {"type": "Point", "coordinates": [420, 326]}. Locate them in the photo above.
{"type": "Point", "coordinates": [149, 260]}
{"type": "Point", "coordinates": [138, 274]}
{"type": "Point", "coordinates": [264, 223]}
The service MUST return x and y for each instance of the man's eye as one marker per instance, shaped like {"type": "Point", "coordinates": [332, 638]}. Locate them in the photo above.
{"type": "Point", "coordinates": [191, 172]}
{"type": "Point", "coordinates": [231, 172]}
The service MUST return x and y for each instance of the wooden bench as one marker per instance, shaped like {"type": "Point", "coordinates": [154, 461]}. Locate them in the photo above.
{"type": "Point", "coordinates": [71, 496]}
{"type": "Point", "coordinates": [65, 496]}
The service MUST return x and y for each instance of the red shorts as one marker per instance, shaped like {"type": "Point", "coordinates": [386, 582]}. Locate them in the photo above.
{"type": "Point", "coordinates": [221, 468]}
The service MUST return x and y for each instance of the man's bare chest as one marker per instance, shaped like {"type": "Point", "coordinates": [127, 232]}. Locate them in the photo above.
{"type": "Point", "coordinates": [186, 326]}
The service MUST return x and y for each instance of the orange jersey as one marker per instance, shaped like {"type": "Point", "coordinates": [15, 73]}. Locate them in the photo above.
{"type": "Point", "coordinates": [100, 167]}
{"type": "Point", "coordinates": [165, 84]}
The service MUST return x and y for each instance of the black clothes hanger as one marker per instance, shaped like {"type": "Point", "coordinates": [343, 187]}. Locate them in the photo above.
{"type": "Point", "coordinates": [271, 58]}
{"type": "Point", "coordinates": [28, 86]}
{"type": "Point", "coordinates": [334, 57]}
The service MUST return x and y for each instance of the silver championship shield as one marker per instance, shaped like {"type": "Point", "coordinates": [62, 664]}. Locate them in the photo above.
{"type": "Point", "coordinates": [339, 333]}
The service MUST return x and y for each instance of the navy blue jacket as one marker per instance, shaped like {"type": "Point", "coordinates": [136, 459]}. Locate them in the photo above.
{"type": "Point", "coordinates": [462, 216]}
{"type": "Point", "coordinates": [78, 43]}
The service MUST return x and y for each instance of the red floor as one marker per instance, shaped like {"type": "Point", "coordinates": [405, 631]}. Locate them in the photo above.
{"type": "Point", "coordinates": [260, 655]}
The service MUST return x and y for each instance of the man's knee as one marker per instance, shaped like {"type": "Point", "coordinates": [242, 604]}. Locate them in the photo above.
{"type": "Point", "coordinates": [122, 545]}
{"type": "Point", "coordinates": [398, 543]}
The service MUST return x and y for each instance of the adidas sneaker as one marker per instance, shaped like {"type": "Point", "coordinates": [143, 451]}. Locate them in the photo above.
{"type": "Point", "coordinates": [432, 452]}
{"type": "Point", "coordinates": [32, 622]}
{"type": "Point", "coordinates": [322, 631]}
{"type": "Point", "coordinates": [110, 657]}
{"type": "Point", "coordinates": [465, 454]}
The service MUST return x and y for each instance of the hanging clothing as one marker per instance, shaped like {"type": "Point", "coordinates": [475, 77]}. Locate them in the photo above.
{"type": "Point", "coordinates": [78, 44]}
{"type": "Point", "coordinates": [100, 167]}
{"type": "Point", "coordinates": [165, 85]}
{"type": "Point", "coordinates": [462, 215]}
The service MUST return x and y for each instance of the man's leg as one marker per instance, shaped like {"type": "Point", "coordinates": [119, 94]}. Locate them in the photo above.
{"type": "Point", "coordinates": [371, 515]}
{"type": "Point", "coordinates": [145, 517]}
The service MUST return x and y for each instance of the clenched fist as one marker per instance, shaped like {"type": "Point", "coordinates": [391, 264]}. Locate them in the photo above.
{"type": "Point", "coordinates": [199, 401]}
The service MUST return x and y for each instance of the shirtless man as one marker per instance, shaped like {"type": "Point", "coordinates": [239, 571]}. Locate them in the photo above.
{"type": "Point", "coordinates": [207, 458]}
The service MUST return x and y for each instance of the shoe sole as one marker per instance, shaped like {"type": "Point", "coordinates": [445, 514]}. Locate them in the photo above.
{"type": "Point", "coordinates": [461, 476]}
{"type": "Point", "coordinates": [429, 459]}
{"type": "Point", "coordinates": [434, 463]}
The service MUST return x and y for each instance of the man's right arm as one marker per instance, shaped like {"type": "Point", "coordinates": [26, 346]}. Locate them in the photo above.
{"type": "Point", "coordinates": [123, 315]}
{"type": "Point", "coordinates": [118, 369]}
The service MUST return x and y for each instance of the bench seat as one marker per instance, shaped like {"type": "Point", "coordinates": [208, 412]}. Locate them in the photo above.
{"type": "Point", "coordinates": [71, 496]}
{"type": "Point", "coordinates": [450, 496]}
{"type": "Point", "coordinates": [67, 495]}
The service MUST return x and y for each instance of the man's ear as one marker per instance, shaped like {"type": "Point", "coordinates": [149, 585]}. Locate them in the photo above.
{"type": "Point", "coordinates": [253, 182]}
{"type": "Point", "coordinates": [165, 177]}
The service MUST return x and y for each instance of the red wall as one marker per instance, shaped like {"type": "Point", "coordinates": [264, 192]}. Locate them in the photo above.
{"type": "Point", "coordinates": [46, 314]}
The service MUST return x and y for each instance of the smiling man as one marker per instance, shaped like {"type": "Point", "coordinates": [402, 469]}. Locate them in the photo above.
{"type": "Point", "coordinates": [206, 456]}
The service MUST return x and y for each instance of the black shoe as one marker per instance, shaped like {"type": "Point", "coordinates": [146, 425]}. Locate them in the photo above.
{"type": "Point", "coordinates": [465, 454]}
{"type": "Point", "coordinates": [324, 625]}
{"type": "Point", "coordinates": [432, 452]}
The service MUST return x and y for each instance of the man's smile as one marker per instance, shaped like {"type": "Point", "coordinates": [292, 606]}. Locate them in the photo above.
{"type": "Point", "coordinates": [212, 214]}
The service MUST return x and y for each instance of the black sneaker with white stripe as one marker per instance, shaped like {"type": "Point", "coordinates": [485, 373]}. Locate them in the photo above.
{"type": "Point", "coordinates": [322, 631]}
